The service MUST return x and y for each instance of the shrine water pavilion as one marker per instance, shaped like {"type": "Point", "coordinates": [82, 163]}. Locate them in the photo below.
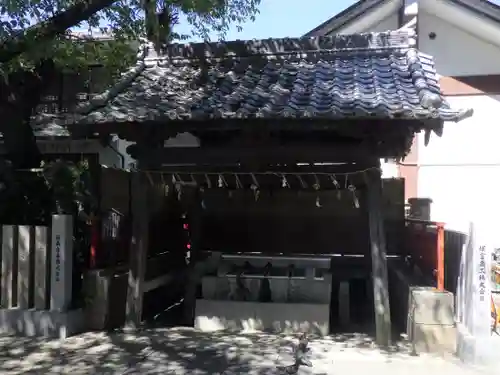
{"type": "Point", "coordinates": [281, 192]}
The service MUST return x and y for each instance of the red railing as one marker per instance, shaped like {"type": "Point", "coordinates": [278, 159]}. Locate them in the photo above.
{"type": "Point", "coordinates": [425, 247]}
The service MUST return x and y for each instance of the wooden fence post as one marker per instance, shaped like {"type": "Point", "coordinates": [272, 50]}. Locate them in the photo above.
{"type": "Point", "coordinates": [9, 267]}
{"type": "Point", "coordinates": [25, 267]}
{"type": "Point", "coordinates": [42, 266]}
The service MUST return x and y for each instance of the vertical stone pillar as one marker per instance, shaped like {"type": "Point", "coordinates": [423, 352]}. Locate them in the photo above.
{"type": "Point", "coordinates": [9, 267]}
{"type": "Point", "coordinates": [42, 275]}
{"type": "Point", "coordinates": [61, 262]}
{"type": "Point", "coordinates": [475, 343]}
{"type": "Point", "coordinates": [25, 267]}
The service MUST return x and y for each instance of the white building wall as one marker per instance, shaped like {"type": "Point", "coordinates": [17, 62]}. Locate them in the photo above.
{"type": "Point", "coordinates": [456, 52]}
{"type": "Point", "coordinates": [390, 23]}
{"type": "Point", "coordinates": [461, 170]}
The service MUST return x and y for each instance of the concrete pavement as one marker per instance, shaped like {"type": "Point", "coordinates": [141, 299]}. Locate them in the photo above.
{"type": "Point", "coordinates": [184, 351]}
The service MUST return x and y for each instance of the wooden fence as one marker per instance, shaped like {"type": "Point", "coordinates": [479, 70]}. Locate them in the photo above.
{"type": "Point", "coordinates": [25, 272]}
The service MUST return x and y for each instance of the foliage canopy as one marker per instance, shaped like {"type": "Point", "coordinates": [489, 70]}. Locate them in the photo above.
{"type": "Point", "coordinates": [44, 35]}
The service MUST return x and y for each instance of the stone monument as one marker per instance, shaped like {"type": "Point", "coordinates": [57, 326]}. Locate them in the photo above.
{"type": "Point", "coordinates": [475, 343]}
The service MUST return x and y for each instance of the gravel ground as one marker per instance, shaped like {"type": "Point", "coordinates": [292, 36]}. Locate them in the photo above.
{"type": "Point", "coordinates": [185, 351]}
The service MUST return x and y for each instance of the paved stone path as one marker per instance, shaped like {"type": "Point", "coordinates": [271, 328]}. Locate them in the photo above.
{"type": "Point", "coordinates": [184, 351]}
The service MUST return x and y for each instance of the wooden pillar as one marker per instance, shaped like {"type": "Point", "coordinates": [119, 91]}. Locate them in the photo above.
{"type": "Point", "coordinates": [379, 259]}
{"type": "Point", "coordinates": [138, 249]}
{"type": "Point", "coordinates": [192, 205]}
{"type": "Point", "coordinates": [344, 304]}
{"type": "Point", "coordinates": [440, 257]}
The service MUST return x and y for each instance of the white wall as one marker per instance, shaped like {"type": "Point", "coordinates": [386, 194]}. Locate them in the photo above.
{"type": "Point", "coordinates": [121, 146]}
{"type": "Point", "coordinates": [390, 23]}
{"type": "Point", "coordinates": [364, 26]}
{"type": "Point", "coordinates": [382, 19]}
{"type": "Point", "coordinates": [456, 52]}
{"type": "Point", "coordinates": [461, 170]}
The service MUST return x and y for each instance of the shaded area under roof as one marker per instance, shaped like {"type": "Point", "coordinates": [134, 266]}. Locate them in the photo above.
{"type": "Point", "coordinates": [359, 76]}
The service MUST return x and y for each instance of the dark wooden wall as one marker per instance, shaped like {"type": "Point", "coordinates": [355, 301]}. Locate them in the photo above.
{"type": "Point", "coordinates": [286, 221]}
{"type": "Point", "coordinates": [279, 221]}
{"type": "Point", "coordinates": [283, 222]}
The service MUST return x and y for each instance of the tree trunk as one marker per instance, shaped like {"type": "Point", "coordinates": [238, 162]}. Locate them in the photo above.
{"type": "Point", "coordinates": [20, 94]}
{"type": "Point", "coordinates": [49, 29]}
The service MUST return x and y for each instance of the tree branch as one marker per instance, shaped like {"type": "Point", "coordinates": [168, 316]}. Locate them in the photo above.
{"type": "Point", "coordinates": [51, 28]}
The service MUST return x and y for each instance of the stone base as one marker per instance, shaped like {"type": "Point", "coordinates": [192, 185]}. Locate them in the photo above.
{"type": "Point", "coordinates": [477, 351]}
{"type": "Point", "coordinates": [213, 315]}
{"type": "Point", "coordinates": [434, 338]}
{"type": "Point", "coordinates": [431, 323]}
{"type": "Point", "coordinates": [41, 322]}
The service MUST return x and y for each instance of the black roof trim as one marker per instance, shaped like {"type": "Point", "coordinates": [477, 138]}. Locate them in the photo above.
{"type": "Point", "coordinates": [346, 16]}
{"type": "Point", "coordinates": [483, 8]}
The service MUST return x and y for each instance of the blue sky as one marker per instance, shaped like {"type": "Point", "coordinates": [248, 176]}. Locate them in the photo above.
{"type": "Point", "coordinates": [281, 18]}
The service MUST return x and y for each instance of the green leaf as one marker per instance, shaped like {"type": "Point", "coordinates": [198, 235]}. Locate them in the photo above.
{"type": "Point", "coordinates": [123, 21]}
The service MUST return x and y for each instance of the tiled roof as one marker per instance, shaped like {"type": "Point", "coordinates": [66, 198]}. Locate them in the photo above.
{"type": "Point", "coordinates": [374, 75]}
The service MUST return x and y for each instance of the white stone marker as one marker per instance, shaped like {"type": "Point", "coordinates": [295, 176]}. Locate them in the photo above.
{"type": "Point", "coordinates": [474, 340]}
{"type": "Point", "coordinates": [61, 262]}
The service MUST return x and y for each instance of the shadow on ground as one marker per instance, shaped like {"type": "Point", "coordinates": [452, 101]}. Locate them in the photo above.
{"type": "Point", "coordinates": [176, 351]}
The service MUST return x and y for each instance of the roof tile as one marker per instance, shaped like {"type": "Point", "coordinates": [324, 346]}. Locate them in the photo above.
{"type": "Point", "coordinates": [375, 75]}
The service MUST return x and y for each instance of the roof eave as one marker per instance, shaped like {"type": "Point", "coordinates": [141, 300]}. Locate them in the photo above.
{"type": "Point", "coordinates": [460, 114]}
{"type": "Point", "coordinates": [482, 8]}
{"type": "Point", "coordinates": [345, 17]}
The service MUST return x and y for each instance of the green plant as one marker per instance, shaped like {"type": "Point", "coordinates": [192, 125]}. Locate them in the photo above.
{"type": "Point", "coordinates": [70, 185]}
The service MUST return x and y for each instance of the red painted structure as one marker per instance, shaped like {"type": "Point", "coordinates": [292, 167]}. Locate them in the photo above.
{"type": "Point", "coordinates": [435, 250]}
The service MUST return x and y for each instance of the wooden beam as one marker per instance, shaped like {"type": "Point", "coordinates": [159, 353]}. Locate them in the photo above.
{"type": "Point", "coordinates": [268, 176]}
{"type": "Point", "coordinates": [138, 250]}
{"type": "Point", "coordinates": [260, 155]}
{"type": "Point", "coordinates": [163, 129]}
{"type": "Point", "coordinates": [64, 146]}
{"type": "Point", "coordinates": [338, 168]}
{"type": "Point", "coordinates": [487, 84]}
{"type": "Point", "coordinates": [379, 259]}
